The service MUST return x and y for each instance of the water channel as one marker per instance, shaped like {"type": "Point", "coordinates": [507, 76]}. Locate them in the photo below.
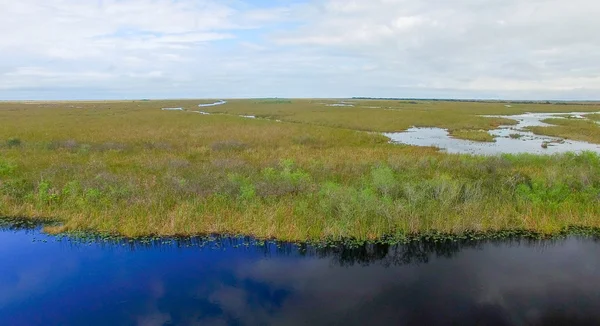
{"type": "Point", "coordinates": [45, 280]}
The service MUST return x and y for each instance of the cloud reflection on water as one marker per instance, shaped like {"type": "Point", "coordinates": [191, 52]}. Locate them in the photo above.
{"type": "Point", "coordinates": [505, 283]}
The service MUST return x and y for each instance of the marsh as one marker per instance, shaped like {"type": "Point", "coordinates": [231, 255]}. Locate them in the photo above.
{"type": "Point", "coordinates": [299, 170]}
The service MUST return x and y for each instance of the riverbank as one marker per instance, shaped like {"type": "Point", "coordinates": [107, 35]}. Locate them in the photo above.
{"type": "Point", "coordinates": [134, 170]}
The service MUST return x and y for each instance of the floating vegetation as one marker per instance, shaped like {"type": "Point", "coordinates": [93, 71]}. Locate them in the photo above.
{"type": "Point", "coordinates": [20, 223]}
{"type": "Point", "coordinates": [216, 241]}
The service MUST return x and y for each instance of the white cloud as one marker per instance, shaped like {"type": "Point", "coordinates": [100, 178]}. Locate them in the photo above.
{"type": "Point", "coordinates": [457, 48]}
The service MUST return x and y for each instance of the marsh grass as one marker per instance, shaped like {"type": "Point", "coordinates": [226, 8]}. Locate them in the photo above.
{"type": "Point", "coordinates": [13, 142]}
{"type": "Point", "coordinates": [595, 116]}
{"type": "Point", "coordinates": [575, 129]}
{"type": "Point", "coordinates": [228, 145]}
{"type": "Point", "coordinates": [129, 168]}
{"type": "Point", "coordinates": [394, 116]}
{"type": "Point", "coordinates": [474, 135]}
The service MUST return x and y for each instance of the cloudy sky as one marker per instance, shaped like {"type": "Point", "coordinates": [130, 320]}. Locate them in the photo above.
{"type": "Point", "coordinates": [106, 49]}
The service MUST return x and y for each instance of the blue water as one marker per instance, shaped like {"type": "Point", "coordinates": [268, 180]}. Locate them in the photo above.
{"type": "Point", "coordinates": [44, 281]}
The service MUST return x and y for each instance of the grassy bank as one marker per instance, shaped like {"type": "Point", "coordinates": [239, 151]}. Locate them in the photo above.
{"type": "Point", "coordinates": [595, 116]}
{"type": "Point", "coordinates": [130, 168]}
{"type": "Point", "coordinates": [576, 129]}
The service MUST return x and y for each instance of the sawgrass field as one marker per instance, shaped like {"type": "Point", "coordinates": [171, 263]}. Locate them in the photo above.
{"type": "Point", "coordinates": [301, 171]}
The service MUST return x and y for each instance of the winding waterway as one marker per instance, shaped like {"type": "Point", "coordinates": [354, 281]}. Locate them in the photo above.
{"type": "Point", "coordinates": [509, 139]}
{"type": "Point", "coordinates": [224, 281]}
{"type": "Point", "coordinates": [220, 102]}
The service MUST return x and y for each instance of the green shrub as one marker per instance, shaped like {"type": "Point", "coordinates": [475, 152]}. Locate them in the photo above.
{"type": "Point", "coordinates": [540, 193]}
{"type": "Point", "coordinates": [283, 181]}
{"type": "Point", "coordinates": [6, 168]}
{"type": "Point", "coordinates": [71, 189]}
{"type": "Point", "coordinates": [238, 186]}
{"type": "Point", "coordinates": [92, 195]}
{"type": "Point", "coordinates": [247, 191]}
{"type": "Point", "coordinates": [384, 181]}
{"type": "Point", "coordinates": [46, 194]}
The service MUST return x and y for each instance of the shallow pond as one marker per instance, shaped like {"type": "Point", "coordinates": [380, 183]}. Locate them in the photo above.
{"type": "Point", "coordinates": [521, 141]}
{"type": "Point", "coordinates": [44, 281]}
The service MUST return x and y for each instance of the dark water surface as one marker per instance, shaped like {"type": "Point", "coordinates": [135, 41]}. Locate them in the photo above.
{"type": "Point", "coordinates": [221, 283]}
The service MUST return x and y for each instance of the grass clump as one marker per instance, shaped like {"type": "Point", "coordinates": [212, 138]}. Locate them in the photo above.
{"type": "Point", "coordinates": [228, 145]}
{"type": "Point", "coordinates": [515, 136]}
{"type": "Point", "coordinates": [13, 142]}
{"type": "Point", "coordinates": [287, 180]}
{"type": "Point", "coordinates": [474, 135]}
{"type": "Point", "coordinates": [7, 168]}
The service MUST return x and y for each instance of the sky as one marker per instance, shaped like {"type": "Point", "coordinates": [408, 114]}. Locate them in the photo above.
{"type": "Point", "coordinates": [130, 49]}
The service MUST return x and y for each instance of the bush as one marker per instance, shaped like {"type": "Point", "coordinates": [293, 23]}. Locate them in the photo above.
{"type": "Point", "coordinates": [287, 180]}
{"type": "Point", "coordinates": [46, 194]}
{"type": "Point", "coordinates": [539, 193]}
{"type": "Point", "coordinates": [6, 168]}
{"type": "Point", "coordinates": [384, 181]}
{"type": "Point", "coordinates": [238, 186]}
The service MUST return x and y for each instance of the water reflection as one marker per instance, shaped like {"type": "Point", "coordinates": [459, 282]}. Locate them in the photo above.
{"type": "Point", "coordinates": [243, 282]}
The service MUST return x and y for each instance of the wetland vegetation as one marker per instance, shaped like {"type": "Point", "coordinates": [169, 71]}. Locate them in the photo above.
{"type": "Point", "coordinates": [301, 171]}
{"type": "Point", "coordinates": [576, 129]}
